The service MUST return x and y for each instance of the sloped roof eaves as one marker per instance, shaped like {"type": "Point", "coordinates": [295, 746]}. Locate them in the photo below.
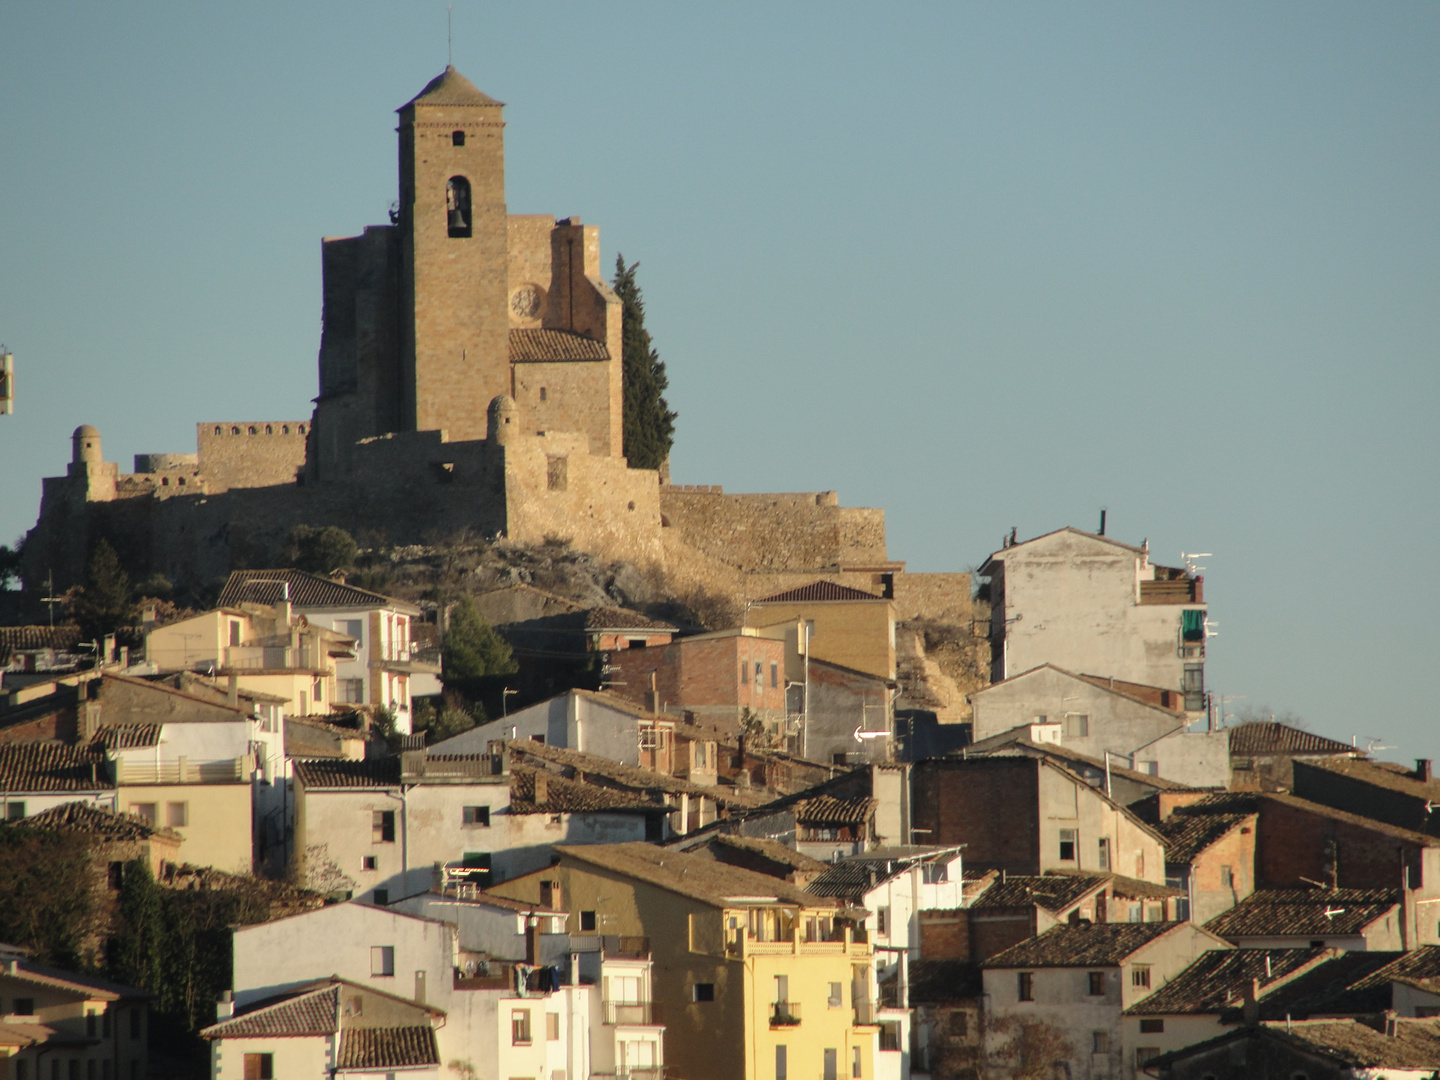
{"type": "Point", "coordinates": [819, 592]}
{"type": "Point", "coordinates": [573, 797]}
{"type": "Point", "coordinates": [1270, 737]}
{"type": "Point", "coordinates": [321, 774]}
{"type": "Point", "coordinates": [999, 556]}
{"type": "Point", "coordinates": [96, 820]}
{"type": "Point", "coordinates": [772, 849]}
{"type": "Point", "coordinates": [536, 346]}
{"type": "Point", "coordinates": [1219, 978]}
{"type": "Point", "coordinates": [1096, 682]}
{"type": "Point", "coordinates": [1054, 892]}
{"type": "Point", "coordinates": [1303, 912]}
{"type": "Point", "coordinates": [1187, 835]}
{"type": "Point", "coordinates": [1320, 810]}
{"type": "Point", "coordinates": [828, 810]}
{"type": "Point", "coordinates": [306, 591]}
{"type": "Point", "coordinates": [313, 1013]}
{"type": "Point", "coordinates": [706, 880]}
{"type": "Point", "coordinates": [1082, 945]}
{"type": "Point", "coordinates": [44, 767]}
{"type": "Point", "coordinates": [1375, 774]}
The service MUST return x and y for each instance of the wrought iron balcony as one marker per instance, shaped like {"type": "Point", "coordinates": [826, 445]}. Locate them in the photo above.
{"type": "Point", "coordinates": [785, 1014]}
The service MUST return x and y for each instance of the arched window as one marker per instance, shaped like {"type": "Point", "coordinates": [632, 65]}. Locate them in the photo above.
{"type": "Point", "coordinates": [234, 430]}
{"type": "Point", "coordinates": [217, 429]}
{"type": "Point", "coordinates": [457, 138]}
{"type": "Point", "coordinates": [269, 430]}
{"type": "Point", "coordinates": [457, 206]}
{"type": "Point", "coordinates": [284, 429]}
{"type": "Point", "coordinates": [252, 429]}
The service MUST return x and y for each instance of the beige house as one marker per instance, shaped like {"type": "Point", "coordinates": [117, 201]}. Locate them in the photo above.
{"type": "Point", "coordinates": [387, 669]}
{"type": "Point", "coordinates": [757, 979]}
{"type": "Point", "coordinates": [334, 1027]}
{"type": "Point", "coordinates": [849, 627]}
{"type": "Point", "coordinates": [1063, 993]}
{"type": "Point", "coordinates": [58, 1023]}
{"type": "Point", "coordinates": [263, 647]}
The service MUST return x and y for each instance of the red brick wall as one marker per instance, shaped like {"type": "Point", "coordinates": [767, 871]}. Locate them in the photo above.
{"type": "Point", "coordinates": [706, 672]}
{"type": "Point", "coordinates": [1295, 843]}
{"type": "Point", "coordinates": [991, 805]}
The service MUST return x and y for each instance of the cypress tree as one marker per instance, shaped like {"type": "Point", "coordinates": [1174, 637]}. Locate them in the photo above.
{"type": "Point", "coordinates": [103, 604]}
{"type": "Point", "coordinates": [649, 423]}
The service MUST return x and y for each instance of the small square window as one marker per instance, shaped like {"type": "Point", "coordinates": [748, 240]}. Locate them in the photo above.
{"type": "Point", "coordinates": [1152, 1027]}
{"type": "Point", "coordinates": [457, 138]}
{"type": "Point", "coordinates": [704, 991]}
{"type": "Point", "coordinates": [23, 1007]}
{"type": "Point", "coordinates": [367, 862]}
{"type": "Point", "coordinates": [1099, 1042]}
{"type": "Point", "coordinates": [259, 1066]}
{"type": "Point", "coordinates": [1140, 975]}
{"type": "Point", "coordinates": [476, 815]}
{"type": "Point", "coordinates": [382, 960]}
{"type": "Point", "coordinates": [1067, 845]}
{"type": "Point", "coordinates": [14, 811]}
{"type": "Point", "coordinates": [177, 815]}
{"type": "Point", "coordinates": [147, 811]}
{"type": "Point", "coordinates": [587, 921]}
{"type": "Point", "coordinates": [382, 896]}
{"type": "Point", "coordinates": [382, 826]}
{"type": "Point", "coordinates": [1097, 984]}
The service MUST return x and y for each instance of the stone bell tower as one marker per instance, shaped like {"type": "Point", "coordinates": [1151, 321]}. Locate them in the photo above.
{"type": "Point", "coordinates": [454, 291]}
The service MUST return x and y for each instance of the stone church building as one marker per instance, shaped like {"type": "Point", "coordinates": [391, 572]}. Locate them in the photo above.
{"type": "Point", "coordinates": [470, 379]}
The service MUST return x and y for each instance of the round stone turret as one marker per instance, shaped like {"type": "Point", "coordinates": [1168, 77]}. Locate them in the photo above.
{"type": "Point", "coordinates": [85, 446]}
{"type": "Point", "coordinates": [503, 422]}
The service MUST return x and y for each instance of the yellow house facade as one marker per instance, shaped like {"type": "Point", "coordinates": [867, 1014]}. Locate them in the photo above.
{"type": "Point", "coordinates": [264, 648]}
{"type": "Point", "coordinates": [846, 626]}
{"type": "Point", "coordinates": [754, 977]}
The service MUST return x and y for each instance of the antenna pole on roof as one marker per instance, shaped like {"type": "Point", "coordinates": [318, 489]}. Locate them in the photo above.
{"type": "Point", "coordinates": [449, 36]}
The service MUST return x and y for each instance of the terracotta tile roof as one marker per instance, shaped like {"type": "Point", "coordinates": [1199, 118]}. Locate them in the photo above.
{"type": "Point", "coordinates": [935, 982]}
{"type": "Point", "coordinates": [1383, 774]}
{"type": "Point", "coordinates": [612, 618]}
{"type": "Point", "coordinates": [816, 592]}
{"type": "Point", "coordinates": [314, 1013]}
{"type": "Point", "coordinates": [1268, 737]}
{"type": "Point", "coordinates": [1135, 888]}
{"type": "Point", "coordinates": [1415, 1044]}
{"type": "Point", "coordinates": [52, 767]}
{"type": "Point", "coordinates": [387, 1048]}
{"type": "Point", "coordinates": [1380, 827]}
{"type": "Point", "coordinates": [1053, 892]}
{"type": "Point", "coordinates": [1081, 945]}
{"type": "Point", "coordinates": [769, 849]}
{"type": "Point", "coordinates": [450, 88]}
{"type": "Point", "coordinates": [1187, 835]}
{"type": "Point", "coordinates": [1304, 912]}
{"type": "Point", "coordinates": [27, 638]}
{"type": "Point", "coordinates": [629, 776]}
{"type": "Point", "coordinates": [574, 797]}
{"type": "Point", "coordinates": [98, 821]}
{"type": "Point", "coordinates": [828, 810]}
{"type": "Point", "coordinates": [306, 590]}
{"type": "Point", "coordinates": [532, 345]}
{"type": "Point", "coordinates": [128, 736]}
{"type": "Point", "coordinates": [1341, 985]}
{"type": "Point", "coordinates": [1220, 978]}
{"type": "Point", "coordinates": [1419, 968]}
{"type": "Point", "coordinates": [335, 773]}
{"type": "Point", "coordinates": [699, 878]}
{"type": "Point", "coordinates": [54, 978]}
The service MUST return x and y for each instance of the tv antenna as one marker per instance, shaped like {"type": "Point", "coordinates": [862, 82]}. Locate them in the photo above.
{"type": "Point", "coordinates": [51, 600]}
{"type": "Point", "coordinates": [449, 36]}
{"type": "Point", "coordinates": [1191, 556]}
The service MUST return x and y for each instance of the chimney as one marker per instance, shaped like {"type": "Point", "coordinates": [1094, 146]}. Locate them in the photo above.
{"type": "Point", "coordinates": [1422, 769]}
{"type": "Point", "coordinates": [225, 1007]}
{"type": "Point", "coordinates": [542, 788]}
{"type": "Point", "coordinates": [1102, 521]}
{"type": "Point", "coordinates": [1250, 1010]}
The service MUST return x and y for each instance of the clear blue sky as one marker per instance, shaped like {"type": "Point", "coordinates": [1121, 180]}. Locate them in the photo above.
{"type": "Point", "coordinates": [980, 265]}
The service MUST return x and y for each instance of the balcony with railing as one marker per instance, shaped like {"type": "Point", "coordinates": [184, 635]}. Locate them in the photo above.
{"type": "Point", "coordinates": [741, 942]}
{"type": "Point", "coordinates": [612, 945]}
{"type": "Point", "coordinates": [263, 657]}
{"type": "Point", "coordinates": [183, 771]}
{"type": "Point", "coordinates": [784, 1014]}
{"type": "Point", "coordinates": [632, 1014]}
{"type": "Point", "coordinates": [646, 1072]}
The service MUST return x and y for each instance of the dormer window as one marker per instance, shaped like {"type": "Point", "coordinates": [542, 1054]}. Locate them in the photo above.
{"type": "Point", "coordinates": [457, 207]}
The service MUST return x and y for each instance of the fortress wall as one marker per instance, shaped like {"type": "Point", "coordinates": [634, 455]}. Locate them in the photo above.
{"type": "Point", "coordinates": [943, 597]}
{"type": "Point", "coordinates": [251, 453]}
{"type": "Point", "coordinates": [773, 532]}
{"type": "Point", "coordinates": [572, 390]}
{"type": "Point", "coordinates": [555, 488]}
{"type": "Point", "coordinates": [154, 463]}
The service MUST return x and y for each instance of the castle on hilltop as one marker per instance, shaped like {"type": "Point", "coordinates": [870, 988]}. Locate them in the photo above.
{"type": "Point", "coordinates": [470, 379]}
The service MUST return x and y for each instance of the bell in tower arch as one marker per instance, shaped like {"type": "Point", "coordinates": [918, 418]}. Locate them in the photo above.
{"type": "Point", "coordinates": [457, 206]}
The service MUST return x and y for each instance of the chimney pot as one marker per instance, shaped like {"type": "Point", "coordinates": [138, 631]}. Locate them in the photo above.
{"type": "Point", "coordinates": [1422, 768]}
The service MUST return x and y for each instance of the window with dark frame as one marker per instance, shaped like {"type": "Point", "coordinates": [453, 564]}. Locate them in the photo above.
{"type": "Point", "coordinates": [704, 991]}
{"type": "Point", "coordinates": [1152, 1026]}
{"type": "Point", "coordinates": [476, 815]}
{"type": "Point", "coordinates": [382, 826]}
{"type": "Point", "coordinates": [1067, 845]}
{"type": "Point", "coordinates": [587, 922]}
{"type": "Point", "coordinates": [1097, 983]}
{"type": "Point", "coordinates": [1025, 989]}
